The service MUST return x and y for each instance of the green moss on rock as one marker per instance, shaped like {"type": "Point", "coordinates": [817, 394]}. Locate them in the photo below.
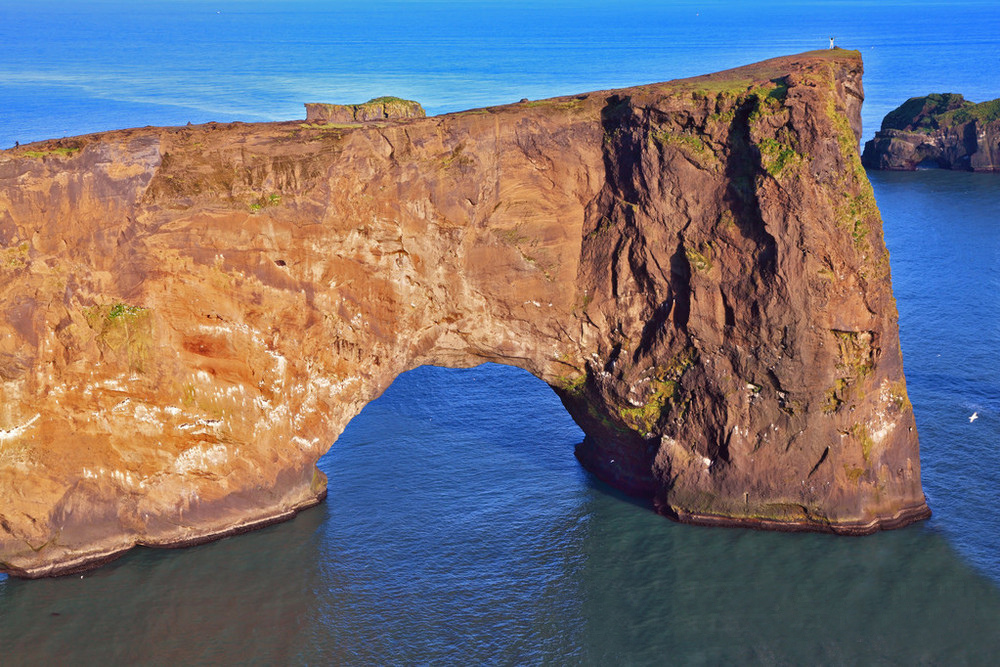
{"type": "Point", "coordinates": [123, 330]}
{"type": "Point", "coordinates": [919, 114]}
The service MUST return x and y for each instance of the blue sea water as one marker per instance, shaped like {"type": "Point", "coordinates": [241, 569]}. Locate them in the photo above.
{"type": "Point", "coordinates": [459, 527]}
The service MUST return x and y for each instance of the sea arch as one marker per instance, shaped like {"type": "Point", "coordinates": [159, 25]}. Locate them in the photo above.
{"type": "Point", "coordinates": [194, 314]}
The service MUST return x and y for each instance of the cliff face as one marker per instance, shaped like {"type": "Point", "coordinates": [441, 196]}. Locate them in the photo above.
{"type": "Point", "coordinates": [192, 315]}
{"type": "Point", "coordinates": [944, 130]}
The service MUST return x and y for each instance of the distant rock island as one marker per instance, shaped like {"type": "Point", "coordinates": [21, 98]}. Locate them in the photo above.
{"type": "Point", "coordinates": [190, 316]}
{"type": "Point", "coordinates": [940, 130]}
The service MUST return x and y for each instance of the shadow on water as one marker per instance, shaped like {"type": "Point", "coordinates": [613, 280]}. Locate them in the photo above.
{"type": "Point", "coordinates": [941, 227]}
{"type": "Point", "coordinates": [471, 534]}
{"type": "Point", "coordinates": [245, 597]}
{"type": "Point", "coordinates": [653, 588]}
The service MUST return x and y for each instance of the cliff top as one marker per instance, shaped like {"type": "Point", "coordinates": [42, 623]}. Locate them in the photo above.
{"type": "Point", "coordinates": [338, 118]}
{"type": "Point", "coordinates": [984, 112]}
{"type": "Point", "coordinates": [931, 112]}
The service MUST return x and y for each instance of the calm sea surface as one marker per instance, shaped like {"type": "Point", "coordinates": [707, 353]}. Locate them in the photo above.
{"type": "Point", "coordinates": [459, 527]}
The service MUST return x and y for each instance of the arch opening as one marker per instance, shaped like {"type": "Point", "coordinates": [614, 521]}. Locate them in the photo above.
{"type": "Point", "coordinates": [932, 162]}
{"type": "Point", "coordinates": [489, 434]}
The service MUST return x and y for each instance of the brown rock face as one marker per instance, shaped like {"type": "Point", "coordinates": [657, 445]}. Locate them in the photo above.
{"type": "Point", "coordinates": [380, 108]}
{"type": "Point", "coordinates": [190, 316]}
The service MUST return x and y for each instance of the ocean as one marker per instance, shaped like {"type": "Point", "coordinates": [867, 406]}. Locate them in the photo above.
{"type": "Point", "coordinates": [459, 528]}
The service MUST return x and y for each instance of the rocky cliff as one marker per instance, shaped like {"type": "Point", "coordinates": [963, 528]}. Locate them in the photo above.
{"type": "Point", "coordinates": [940, 130]}
{"type": "Point", "coordinates": [380, 108]}
{"type": "Point", "coordinates": [190, 316]}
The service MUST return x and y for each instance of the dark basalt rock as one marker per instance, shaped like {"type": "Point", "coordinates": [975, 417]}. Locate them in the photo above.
{"type": "Point", "coordinates": [939, 130]}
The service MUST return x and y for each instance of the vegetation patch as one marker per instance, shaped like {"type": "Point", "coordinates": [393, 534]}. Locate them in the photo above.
{"type": "Point", "coordinates": [857, 362]}
{"type": "Point", "coordinates": [62, 151]}
{"type": "Point", "coordinates": [472, 112]}
{"type": "Point", "coordinates": [835, 396]}
{"type": "Point", "coordinates": [856, 353]}
{"type": "Point", "coordinates": [511, 236]}
{"type": "Point", "coordinates": [665, 391]}
{"type": "Point", "coordinates": [856, 214]}
{"type": "Point", "coordinates": [686, 140]}
{"type": "Point", "coordinates": [604, 421]}
{"type": "Point", "coordinates": [603, 225]}
{"type": "Point", "coordinates": [15, 257]}
{"type": "Point", "coordinates": [898, 396]}
{"type": "Point", "coordinates": [727, 219]}
{"type": "Point", "coordinates": [775, 156]}
{"type": "Point", "coordinates": [698, 261]}
{"type": "Point", "coordinates": [984, 112]}
{"type": "Point", "coordinates": [557, 104]}
{"type": "Point", "coordinates": [861, 434]}
{"type": "Point", "coordinates": [457, 157]}
{"type": "Point", "coordinates": [723, 117]}
{"type": "Point", "coordinates": [572, 384]}
{"type": "Point", "coordinates": [856, 210]}
{"type": "Point", "coordinates": [389, 99]}
{"type": "Point", "coordinates": [853, 473]}
{"type": "Point", "coordinates": [689, 143]}
{"type": "Point", "coordinates": [262, 202]}
{"type": "Point", "coordinates": [123, 330]}
{"type": "Point", "coordinates": [769, 99]}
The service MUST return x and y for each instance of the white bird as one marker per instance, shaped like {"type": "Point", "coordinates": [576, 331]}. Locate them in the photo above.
{"type": "Point", "coordinates": [974, 417]}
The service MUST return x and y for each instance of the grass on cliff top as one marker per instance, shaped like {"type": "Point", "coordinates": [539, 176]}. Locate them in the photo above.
{"type": "Point", "coordinates": [984, 112]}
{"type": "Point", "coordinates": [389, 99]}
{"type": "Point", "coordinates": [919, 113]}
{"type": "Point", "coordinates": [742, 78]}
{"type": "Point", "coordinates": [385, 99]}
{"type": "Point", "coordinates": [929, 112]}
{"type": "Point", "coordinates": [63, 151]}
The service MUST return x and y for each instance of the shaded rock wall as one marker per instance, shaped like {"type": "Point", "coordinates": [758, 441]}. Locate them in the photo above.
{"type": "Point", "coordinates": [190, 316]}
{"type": "Point", "coordinates": [942, 130]}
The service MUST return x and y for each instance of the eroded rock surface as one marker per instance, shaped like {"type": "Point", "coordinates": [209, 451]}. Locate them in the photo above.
{"type": "Point", "coordinates": [378, 109]}
{"type": "Point", "coordinates": [190, 316]}
{"type": "Point", "coordinates": [939, 130]}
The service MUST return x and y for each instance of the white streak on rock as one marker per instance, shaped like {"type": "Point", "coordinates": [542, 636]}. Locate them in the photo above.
{"type": "Point", "coordinates": [18, 431]}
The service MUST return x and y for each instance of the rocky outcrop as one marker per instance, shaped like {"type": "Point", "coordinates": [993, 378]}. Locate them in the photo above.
{"type": "Point", "coordinates": [190, 316]}
{"type": "Point", "coordinates": [380, 108]}
{"type": "Point", "coordinates": [939, 130]}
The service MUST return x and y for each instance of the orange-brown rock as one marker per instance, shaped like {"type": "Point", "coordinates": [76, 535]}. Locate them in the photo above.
{"type": "Point", "coordinates": [190, 316]}
{"type": "Point", "coordinates": [378, 109]}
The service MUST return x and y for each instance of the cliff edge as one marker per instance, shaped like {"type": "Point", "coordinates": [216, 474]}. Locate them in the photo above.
{"type": "Point", "coordinates": [940, 130]}
{"type": "Point", "coordinates": [191, 316]}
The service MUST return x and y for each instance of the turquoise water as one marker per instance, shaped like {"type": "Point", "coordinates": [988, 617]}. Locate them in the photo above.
{"type": "Point", "coordinates": [459, 527]}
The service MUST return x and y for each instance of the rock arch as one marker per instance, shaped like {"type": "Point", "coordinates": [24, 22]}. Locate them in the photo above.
{"type": "Point", "coordinates": [697, 268]}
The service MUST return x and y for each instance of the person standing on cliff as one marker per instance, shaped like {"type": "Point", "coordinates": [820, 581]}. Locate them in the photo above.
{"type": "Point", "coordinates": [831, 42]}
